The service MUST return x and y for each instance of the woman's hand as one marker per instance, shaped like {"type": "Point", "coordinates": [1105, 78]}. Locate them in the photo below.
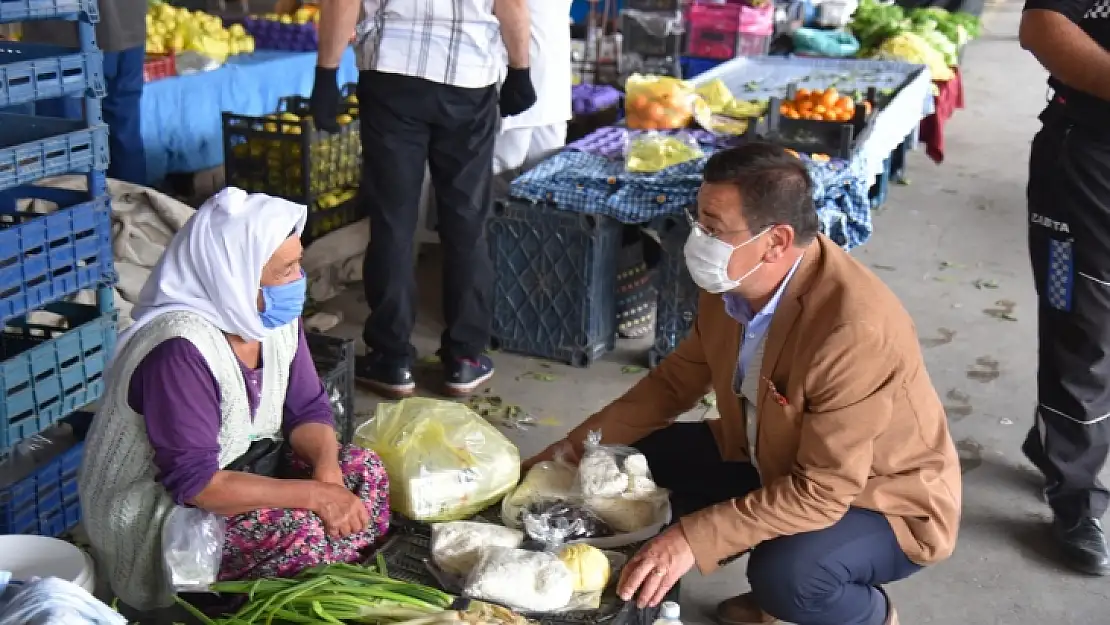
{"type": "Point", "coordinates": [655, 569]}
{"type": "Point", "coordinates": [341, 510]}
{"type": "Point", "coordinates": [329, 474]}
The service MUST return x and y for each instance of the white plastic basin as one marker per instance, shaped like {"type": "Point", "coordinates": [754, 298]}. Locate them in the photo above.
{"type": "Point", "coordinates": [38, 556]}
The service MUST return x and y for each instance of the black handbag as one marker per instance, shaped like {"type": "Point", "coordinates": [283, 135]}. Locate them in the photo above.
{"type": "Point", "coordinates": [266, 457]}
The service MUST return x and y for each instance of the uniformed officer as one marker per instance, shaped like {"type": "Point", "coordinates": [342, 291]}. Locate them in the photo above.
{"type": "Point", "coordinates": [1069, 246]}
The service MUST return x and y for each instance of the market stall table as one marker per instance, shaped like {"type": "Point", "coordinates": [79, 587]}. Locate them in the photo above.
{"type": "Point", "coordinates": [181, 116]}
{"type": "Point", "coordinates": [565, 215]}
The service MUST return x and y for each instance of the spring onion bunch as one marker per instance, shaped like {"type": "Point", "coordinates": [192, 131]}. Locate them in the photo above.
{"type": "Point", "coordinates": [343, 593]}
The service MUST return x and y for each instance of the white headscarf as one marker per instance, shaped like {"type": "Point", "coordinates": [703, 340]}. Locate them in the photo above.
{"type": "Point", "coordinates": [213, 266]}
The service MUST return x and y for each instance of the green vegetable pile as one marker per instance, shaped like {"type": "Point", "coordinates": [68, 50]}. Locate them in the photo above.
{"type": "Point", "coordinates": [946, 32]}
{"type": "Point", "coordinates": [343, 593]}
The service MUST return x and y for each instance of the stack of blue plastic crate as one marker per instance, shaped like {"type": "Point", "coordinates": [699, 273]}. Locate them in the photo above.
{"type": "Point", "coordinates": [53, 244]}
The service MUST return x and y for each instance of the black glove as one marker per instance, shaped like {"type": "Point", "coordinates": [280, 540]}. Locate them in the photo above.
{"type": "Point", "coordinates": [517, 93]}
{"type": "Point", "coordinates": [324, 101]}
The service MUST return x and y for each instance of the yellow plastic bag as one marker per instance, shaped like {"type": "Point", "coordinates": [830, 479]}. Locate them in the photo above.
{"type": "Point", "coordinates": [650, 152]}
{"type": "Point", "coordinates": [716, 95]}
{"type": "Point", "coordinates": [445, 462]}
{"type": "Point", "coordinates": [658, 102]}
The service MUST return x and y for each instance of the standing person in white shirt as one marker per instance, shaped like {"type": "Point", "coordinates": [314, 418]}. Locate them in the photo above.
{"type": "Point", "coordinates": [531, 136]}
{"type": "Point", "coordinates": [427, 96]}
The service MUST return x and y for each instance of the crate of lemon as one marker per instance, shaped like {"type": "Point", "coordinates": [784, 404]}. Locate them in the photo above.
{"type": "Point", "coordinates": [283, 154]}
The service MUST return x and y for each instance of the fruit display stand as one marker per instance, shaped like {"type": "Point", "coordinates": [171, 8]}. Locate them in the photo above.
{"type": "Point", "coordinates": [53, 353]}
{"type": "Point", "coordinates": [887, 134]}
{"type": "Point", "coordinates": [182, 123]}
{"type": "Point", "coordinates": [908, 87]}
{"type": "Point", "coordinates": [590, 178]}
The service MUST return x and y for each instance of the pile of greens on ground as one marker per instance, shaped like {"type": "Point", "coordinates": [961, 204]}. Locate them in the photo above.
{"type": "Point", "coordinates": [945, 31]}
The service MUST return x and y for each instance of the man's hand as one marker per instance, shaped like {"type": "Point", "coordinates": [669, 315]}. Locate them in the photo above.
{"type": "Point", "coordinates": [517, 93]}
{"type": "Point", "coordinates": [324, 102]}
{"type": "Point", "coordinates": [562, 450]}
{"type": "Point", "coordinates": [656, 568]}
{"type": "Point", "coordinates": [341, 510]}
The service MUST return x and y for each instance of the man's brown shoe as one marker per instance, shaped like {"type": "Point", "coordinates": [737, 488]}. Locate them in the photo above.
{"type": "Point", "coordinates": [743, 610]}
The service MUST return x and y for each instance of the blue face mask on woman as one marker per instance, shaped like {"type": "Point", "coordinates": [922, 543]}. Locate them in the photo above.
{"type": "Point", "coordinates": [282, 303]}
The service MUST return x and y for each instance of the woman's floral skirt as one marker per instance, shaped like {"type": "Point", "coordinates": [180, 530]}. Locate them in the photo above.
{"type": "Point", "coordinates": [277, 542]}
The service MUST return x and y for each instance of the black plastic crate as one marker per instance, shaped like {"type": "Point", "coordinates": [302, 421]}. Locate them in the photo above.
{"type": "Point", "coordinates": [652, 34]}
{"type": "Point", "coordinates": [677, 306]}
{"type": "Point", "coordinates": [408, 551]}
{"type": "Point", "coordinates": [283, 154]}
{"type": "Point", "coordinates": [555, 281]}
{"type": "Point", "coordinates": [335, 363]}
{"type": "Point", "coordinates": [330, 212]}
{"type": "Point", "coordinates": [836, 139]}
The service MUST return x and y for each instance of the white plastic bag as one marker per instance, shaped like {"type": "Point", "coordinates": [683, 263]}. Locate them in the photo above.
{"type": "Point", "coordinates": [54, 601]}
{"type": "Point", "coordinates": [192, 547]}
{"type": "Point", "coordinates": [532, 581]}
{"type": "Point", "coordinates": [457, 545]}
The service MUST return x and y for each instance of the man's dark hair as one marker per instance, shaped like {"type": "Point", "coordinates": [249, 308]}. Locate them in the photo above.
{"type": "Point", "coordinates": [775, 187]}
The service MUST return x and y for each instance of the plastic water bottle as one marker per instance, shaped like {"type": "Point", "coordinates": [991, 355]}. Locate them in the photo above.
{"type": "Point", "coordinates": [668, 614]}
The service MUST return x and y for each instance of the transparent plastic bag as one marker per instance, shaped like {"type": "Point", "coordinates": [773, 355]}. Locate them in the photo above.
{"type": "Point", "coordinates": [546, 481]}
{"type": "Point", "coordinates": [445, 462]}
{"type": "Point", "coordinates": [192, 547]}
{"type": "Point", "coordinates": [456, 545]}
{"type": "Point", "coordinates": [554, 522]}
{"type": "Point", "coordinates": [536, 580]}
{"type": "Point", "coordinates": [658, 24]}
{"type": "Point", "coordinates": [649, 152]}
{"type": "Point", "coordinates": [658, 102]}
{"type": "Point", "coordinates": [533, 581]}
{"type": "Point", "coordinates": [615, 483]}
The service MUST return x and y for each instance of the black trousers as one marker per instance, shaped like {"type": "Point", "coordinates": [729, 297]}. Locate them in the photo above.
{"type": "Point", "coordinates": [406, 123]}
{"type": "Point", "coordinates": [827, 577]}
{"type": "Point", "coordinates": [1069, 247]}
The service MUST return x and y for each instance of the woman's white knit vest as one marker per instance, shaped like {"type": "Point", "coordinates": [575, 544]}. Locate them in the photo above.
{"type": "Point", "coordinates": [122, 505]}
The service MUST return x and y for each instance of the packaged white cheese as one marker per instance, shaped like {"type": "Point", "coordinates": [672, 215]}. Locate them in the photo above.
{"type": "Point", "coordinates": [531, 581]}
{"type": "Point", "coordinates": [457, 545]}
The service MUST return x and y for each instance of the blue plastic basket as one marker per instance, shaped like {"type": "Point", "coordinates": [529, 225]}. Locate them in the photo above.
{"type": "Point", "coordinates": [556, 281]}
{"type": "Point", "coordinates": [46, 501]}
{"type": "Point", "coordinates": [46, 257]}
{"type": "Point", "coordinates": [23, 10]}
{"type": "Point", "coordinates": [32, 148]}
{"type": "Point", "coordinates": [51, 369]}
{"type": "Point", "coordinates": [30, 71]}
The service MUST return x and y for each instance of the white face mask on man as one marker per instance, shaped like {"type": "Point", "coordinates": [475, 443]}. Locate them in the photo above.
{"type": "Point", "coordinates": [707, 258]}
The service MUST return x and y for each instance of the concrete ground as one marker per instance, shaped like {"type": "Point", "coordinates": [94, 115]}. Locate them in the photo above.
{"type": "Point", "coordinates": [952, 245]}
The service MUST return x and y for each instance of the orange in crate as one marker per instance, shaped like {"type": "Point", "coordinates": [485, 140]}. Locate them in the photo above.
{"type": "Point", "coordinates": [821, 105]}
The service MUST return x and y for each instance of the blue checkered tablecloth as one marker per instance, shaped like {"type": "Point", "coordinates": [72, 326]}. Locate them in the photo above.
{"type": "Point", "coordinates": [589, 183]}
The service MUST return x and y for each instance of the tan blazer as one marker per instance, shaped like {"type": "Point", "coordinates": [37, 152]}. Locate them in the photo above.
{"type": "Point", "coordinates": [861, 426]}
